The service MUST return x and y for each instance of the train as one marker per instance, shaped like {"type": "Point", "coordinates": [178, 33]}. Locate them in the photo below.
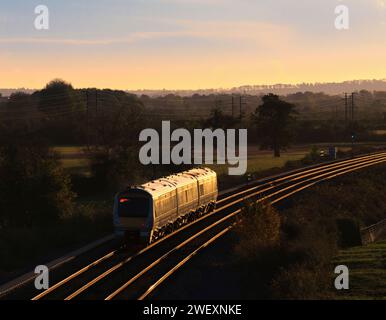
{"type": "Point", "coordinates": [156, 208]}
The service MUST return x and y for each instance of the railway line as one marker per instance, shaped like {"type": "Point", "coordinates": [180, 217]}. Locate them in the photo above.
{"type": "Point", "coordinates": [124, 275]}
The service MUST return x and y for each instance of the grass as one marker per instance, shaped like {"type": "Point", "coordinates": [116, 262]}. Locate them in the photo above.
{"type": "Point", "coordinates": [24, 247]}
{"type": "Point", "coordinates": [73, 159]}
{"type": "Point", "coordinates": [76, 166]}
{"type": "Point", "coordinates": [262, 162]}
{"type": "Point", "coordinates": [367, 265]}
{"type": "Point", "coordinates": [379, 132]}
{"type": "Point", "coordinates": [69, 150]}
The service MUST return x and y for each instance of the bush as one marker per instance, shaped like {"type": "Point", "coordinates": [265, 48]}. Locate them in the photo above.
{"type": "Point", "coordinates": [349, 233]}
{"type": "Point", "coordinates": [34, 190]}
{"type": "Point", "coordinates": [301, 282]}
{"type": "Point", "coordinates": [262, 225]}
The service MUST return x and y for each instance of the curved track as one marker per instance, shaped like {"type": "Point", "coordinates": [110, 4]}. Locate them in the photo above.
{"type": "Point", "coordinates": [118, 275]}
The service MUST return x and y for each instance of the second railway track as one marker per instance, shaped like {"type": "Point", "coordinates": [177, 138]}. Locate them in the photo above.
{"type": "Point", "coordinates": [121, 275]}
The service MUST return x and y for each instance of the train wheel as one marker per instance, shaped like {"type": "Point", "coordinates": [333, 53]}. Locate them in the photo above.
{"type": "Point", "coordinates": [169, 228]}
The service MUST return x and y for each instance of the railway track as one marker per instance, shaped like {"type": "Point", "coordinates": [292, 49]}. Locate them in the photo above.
{"type": "Point", "coordinates": [120, 275]}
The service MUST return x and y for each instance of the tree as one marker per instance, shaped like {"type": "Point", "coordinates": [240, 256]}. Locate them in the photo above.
{"type": "Point", "coordinates": [19, 101]}
{"type": "Point", "coordinates": [219, 120]}
{"type": "Point", "coordinates": [113, 146]}
{"type": "Point", "coordinates": [274, 118]}
{"type": "Point", "coordinates": [63, 110]}
{"type": "Point", "coordinates": [59, 98]}
{"type": "Point", "coordinates": [34, 190]}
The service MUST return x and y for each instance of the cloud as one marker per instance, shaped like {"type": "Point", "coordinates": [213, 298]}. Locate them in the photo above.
{"type": "Point", "coordinates": [381, 3]}
{"type": "Point", "coordinates": [249, 32]}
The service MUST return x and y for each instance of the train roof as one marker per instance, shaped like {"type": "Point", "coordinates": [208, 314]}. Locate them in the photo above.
{"type": "Point", "coordinates": [166, 184]}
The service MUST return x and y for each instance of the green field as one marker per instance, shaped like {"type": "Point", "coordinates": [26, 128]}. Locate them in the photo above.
{"type": "Point", "coordinates": [367, 266]}
{"type": "Point", "coordinates": [262, 162]}
{"type": "Point", "coordinates": [73, 159]}
{"type": "Point", "coordinates": [379, 132]}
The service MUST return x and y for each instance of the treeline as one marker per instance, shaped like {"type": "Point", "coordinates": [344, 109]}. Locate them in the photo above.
{"type": "Point", "coordinates": [310, 105]}
{"type": "Point", "coordinates": [106, 124]}
{"type": "Point", "coordinates": [34, 188]}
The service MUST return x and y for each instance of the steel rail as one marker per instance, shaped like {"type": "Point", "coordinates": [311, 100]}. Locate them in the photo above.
{"type": "Point", "coordinates": [119, 265]}
{"type": "Point", "coordinates": [125, 261]}
{"type": "Point", "coordinates": [227, 229]}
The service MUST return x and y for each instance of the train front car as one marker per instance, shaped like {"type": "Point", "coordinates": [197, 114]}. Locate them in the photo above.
{"type": "Point", "coordinates": [133, 214]}
{"type": "Point", "coordinates": [154, 209]}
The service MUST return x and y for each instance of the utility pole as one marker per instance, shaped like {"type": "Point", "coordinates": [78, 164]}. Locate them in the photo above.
{"type": "Point", "coordinates": [346, 107]}
{"type": "Point", "coordinates": [353, 135]}
{"type": "Point", "coordinates": [233, 106]}
{"type": "Point", "coordinates": [96, 102]}
{"type": "Point", "coordinates": [87, 122]}
{"type": "Point", "coordinates": [352, 106]}
{"type": "Point", "coordinates": [242, 103]}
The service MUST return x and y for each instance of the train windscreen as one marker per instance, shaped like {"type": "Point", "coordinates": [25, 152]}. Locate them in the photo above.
{"type": "Point", "coordinates": [134, 207]}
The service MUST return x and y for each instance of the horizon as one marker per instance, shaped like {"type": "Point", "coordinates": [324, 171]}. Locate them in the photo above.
{"type": "Point", "coordinates": [208, 88]}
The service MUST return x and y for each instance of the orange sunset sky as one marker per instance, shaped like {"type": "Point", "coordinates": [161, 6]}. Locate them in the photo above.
{"type": "Point", "coordinates": [190, 44]}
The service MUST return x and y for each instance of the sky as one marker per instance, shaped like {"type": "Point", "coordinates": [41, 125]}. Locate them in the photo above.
{"type": "Point", "coordinates": [190, 44]}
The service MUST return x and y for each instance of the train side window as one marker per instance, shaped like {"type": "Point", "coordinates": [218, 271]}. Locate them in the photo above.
{"type": "Point", "coordinates": [181, 196]}
{"type": "Point", "coordinates": [201, 189]}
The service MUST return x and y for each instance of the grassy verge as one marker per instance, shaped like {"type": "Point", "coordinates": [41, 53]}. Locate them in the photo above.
{"type": "Point", "coordinates": [367, 267]}
{"type": "Point", "coordinates": [318, 230]}
{"type": "Point", "coordinates": [26, 247]}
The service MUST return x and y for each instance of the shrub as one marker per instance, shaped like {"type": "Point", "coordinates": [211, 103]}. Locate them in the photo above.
{"type": "Point", "coordinates": [34, 190]}
{"type": "Point", "coordinates": [261, 224]}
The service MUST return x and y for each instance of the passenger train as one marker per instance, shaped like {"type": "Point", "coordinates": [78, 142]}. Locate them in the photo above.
{"type": "Point", "coordinates": [158, 207]}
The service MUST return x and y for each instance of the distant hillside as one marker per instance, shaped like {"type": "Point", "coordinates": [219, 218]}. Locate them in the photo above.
{"type": "Point", "coordinates": [331, 88]}
{"type": "Point", "coordinates": [8, 92]}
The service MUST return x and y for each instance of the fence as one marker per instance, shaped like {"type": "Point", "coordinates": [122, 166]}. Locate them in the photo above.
{"type": "Point", "coordinates": [374, 233]}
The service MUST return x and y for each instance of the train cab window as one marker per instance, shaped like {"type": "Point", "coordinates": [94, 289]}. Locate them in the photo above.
{"type": "Point", "coordinates": [134, 207]}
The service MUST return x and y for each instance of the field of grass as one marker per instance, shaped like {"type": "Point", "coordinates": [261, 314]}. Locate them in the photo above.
{"type": "Point", "coordinates": [264, 161]}
{"type": "Point", "coordinates": [69, 150]}
{"type": "Point", "coordinates": [379, 132]}
{"type": "Point", "coordinates": [73, 159]}
{"type": "Point", "coordinates": [367, 266]}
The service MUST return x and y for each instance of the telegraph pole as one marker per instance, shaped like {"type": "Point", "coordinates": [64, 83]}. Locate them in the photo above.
{"type": "Point", "coordinates": [346, 107]}
{"type": "Point", "coordinates": [352, 106]}
{"type": "Point", "coordinates": [353, 135]}
{"type": "Point", "coordinates": [96, 102]}
{"type": "Point", "coordinates": [242, 103]}
{"type": "Point", "coordinates": [233, 105]}
{"type": "Point", "coordinates": [87, 122]}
